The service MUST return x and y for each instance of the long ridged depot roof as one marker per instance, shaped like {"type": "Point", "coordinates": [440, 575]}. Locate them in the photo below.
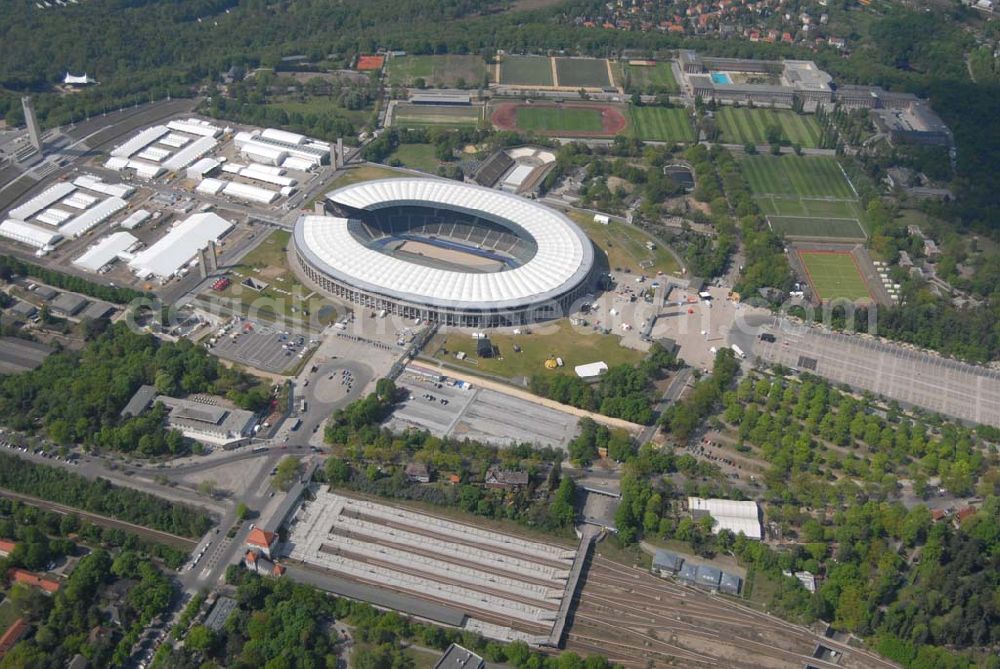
{"type": "Point", "coordinates": [563, 259]}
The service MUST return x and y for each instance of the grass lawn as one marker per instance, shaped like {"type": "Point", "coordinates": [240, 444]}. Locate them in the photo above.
{"type": "Point", "coordinates": [414, 116]}
{"type": "Point", "coordinates": [364, 173]}
{"type": "Point", "coordinates": [583, 72]}
{"type": "Point", "coordinates": [625, 246]}
{"type": "Point", "coordinates": [446, 71]}
{"type": "Point", "coordinates": [8, 614]}
{"type": "Point", "coordinates": [423, 659]}
{"type": "Point", "coordinates": [526, 71]}
{"type": "Point", "coordinates": [660, 124]}
{"type": "Point", "coordinates": [834, 275]}
{"type": "Point", "coordinates": [417, 157]}
{"type": "Point", "coordinates": [740, 125]}
{"type": "Point", "coordinates": [833, 228]}
{"type": "Point", "coordinates": [318, 105]}
{"type": "Point", "coordinates": [552, 119]}
{"type": "Point", "coordinates": [802, 176]}
{"type": "Point", "coordinates": [576, 346]}
{"type": "Point", "coordinates": [269, 263]}
{"type": "Point", "coordinates": [657, 78]}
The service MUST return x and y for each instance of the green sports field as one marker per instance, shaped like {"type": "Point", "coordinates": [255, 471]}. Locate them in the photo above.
{"type": "Point", "coordinates": [740, 125]}
{"type": "Point", "coordinates": [443, 71]}
{"type": "Point", "coordinates": [834, 276]}
{"type": "Point", "coordinates": [582, 72]}
{"type": "Point", "coordinates": [845, 229]}
{"type": "Point", "coordinates": [657, 78]}
{"type": "Point", "coordinates": [563, 119]}
{"type": "Point", "coordinates": [805, 196]}
{"type": "Point", "coordinates": [423, 116]}
{"type": "Point", "coordinates": [526, 71]}
{"type": "Point", "coordinates": [661, 124]}
{"type": "Point", "coordinates": [802, 176]}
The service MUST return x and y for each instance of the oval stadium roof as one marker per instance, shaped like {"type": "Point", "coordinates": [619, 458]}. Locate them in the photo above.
{"type": "Point", "coordinates": [563, 259]}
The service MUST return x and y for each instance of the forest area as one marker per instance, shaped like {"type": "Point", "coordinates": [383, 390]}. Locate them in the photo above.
{"type": "Point", "coordinates": [77, 397]}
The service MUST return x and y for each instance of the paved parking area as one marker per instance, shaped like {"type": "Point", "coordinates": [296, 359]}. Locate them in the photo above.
{"type": "Point", "coordinates": [262, 347]}
{"type": "Point", "coordinates": [911, 377]}
{"type": "Point", "coordinates": [480, 414]}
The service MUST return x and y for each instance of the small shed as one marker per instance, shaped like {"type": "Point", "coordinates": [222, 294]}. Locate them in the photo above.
{"type": "Point", "coordinates": [68, 304]}
{"type": "Point", "coordinates": [709, 577]}
{"type": "Point", "coordinates": [730, 584]}
{"type": "Point", "coordinates": [666, 563]}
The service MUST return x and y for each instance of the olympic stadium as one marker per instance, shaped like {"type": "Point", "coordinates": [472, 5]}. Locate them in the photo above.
{"type": "Point", "coordinates": [447, 252]}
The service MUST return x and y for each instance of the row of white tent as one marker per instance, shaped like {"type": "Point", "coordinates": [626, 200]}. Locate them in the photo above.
{"type": "Point", "coordinates": [64, 210]}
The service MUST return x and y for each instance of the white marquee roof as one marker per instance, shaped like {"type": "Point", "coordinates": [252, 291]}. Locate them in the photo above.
{"type": "Point", "coordinates": [729, 514]}
{"type": "Point", "coordinates": [563, 259]}
{"type": "Point", "coordinates": [169, 255]}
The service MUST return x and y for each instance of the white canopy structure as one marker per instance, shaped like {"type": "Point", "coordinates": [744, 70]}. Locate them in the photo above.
{"type": "Point", "coordinates": [32, 235]}
{"type": "Point", "coordinates": [736, 516]}
{"type": "Point", "coordinates": [105, 251]}
{"type": "Point", "coordinates": [168, 256]}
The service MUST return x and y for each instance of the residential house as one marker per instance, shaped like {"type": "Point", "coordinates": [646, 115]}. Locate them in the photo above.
{"type": "Point", "coordinates": [257, 562]}
{"type": "Point", "coordinates": [508, 479]}
{"type": "Point", "coordinates": [261, 540]}
{"type": "Point", "coordinates": [6, 547]}
{"type": "Point", "coordinates": [418, 472]}
{"type": "Point", "coordinates": [46, 585]}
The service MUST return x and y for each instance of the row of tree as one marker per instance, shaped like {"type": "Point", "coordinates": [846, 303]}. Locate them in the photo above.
{"type": "Point", "coordinates": [99, 496]}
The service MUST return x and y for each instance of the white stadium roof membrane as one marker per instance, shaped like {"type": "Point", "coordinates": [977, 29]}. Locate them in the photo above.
{"type": "Point", "coordinates": [563, 259]}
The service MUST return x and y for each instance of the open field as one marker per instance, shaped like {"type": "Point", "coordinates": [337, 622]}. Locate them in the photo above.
{"type": "Point", "coordinates": [526, 71]}
{"type": "Point", "coordinates": [583, 72]}
{"type": "Point", "coordinates": [832, 228]}
{"type": "Point", "coordinates": [445, 71]}
{"type": "Point", "coordinates": [802, 176]}
{"type": "Point", "coordinates": [323, 105]}
{"type": "Point", "coordinates": [364, 173]}
{"type": "Point", "coordinates": [559, 339]}
{"type": "Point", "coordinates": [8, 614]}
{"type": "Point", "coordinates": [625, 246]}
{"type": "Point", "coordinates": [417, 157]}
{"type": "Point", "coordinates": [834, 275]}
{"type": "Point", "coordinates": [269, 263]}
{"type": "Point", "coordinates": [569, 120]}
{"type": "Point", "coordinates": [423, 116]}
{"type": "Point", "coordinates": [552, 119]}
{"type": "Point", "coordinates": [740, 125]}
{"type": "Point", "coordinates": [661, 124]}
{"type": "Point", "coordinates": [658, 78]}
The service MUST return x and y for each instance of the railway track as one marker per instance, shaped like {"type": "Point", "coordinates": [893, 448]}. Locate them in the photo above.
{"type": "Point", "coordinates": [629, 612]}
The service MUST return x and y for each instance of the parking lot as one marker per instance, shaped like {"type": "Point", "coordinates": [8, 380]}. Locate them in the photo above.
{"type": "Point", "coordinates": [446, 409]}
{"type": "Point", "coordinates": [906, 375]}
{"type": "Point", "coordinates": [260, 346]}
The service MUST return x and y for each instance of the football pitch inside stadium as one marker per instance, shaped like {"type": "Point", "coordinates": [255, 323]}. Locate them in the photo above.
{"type": "Point", "coordinates": [562, 119]}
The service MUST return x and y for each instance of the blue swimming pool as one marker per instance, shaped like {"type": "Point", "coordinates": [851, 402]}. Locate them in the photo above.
{"type": "Point", "coordinates": [721, 78]}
